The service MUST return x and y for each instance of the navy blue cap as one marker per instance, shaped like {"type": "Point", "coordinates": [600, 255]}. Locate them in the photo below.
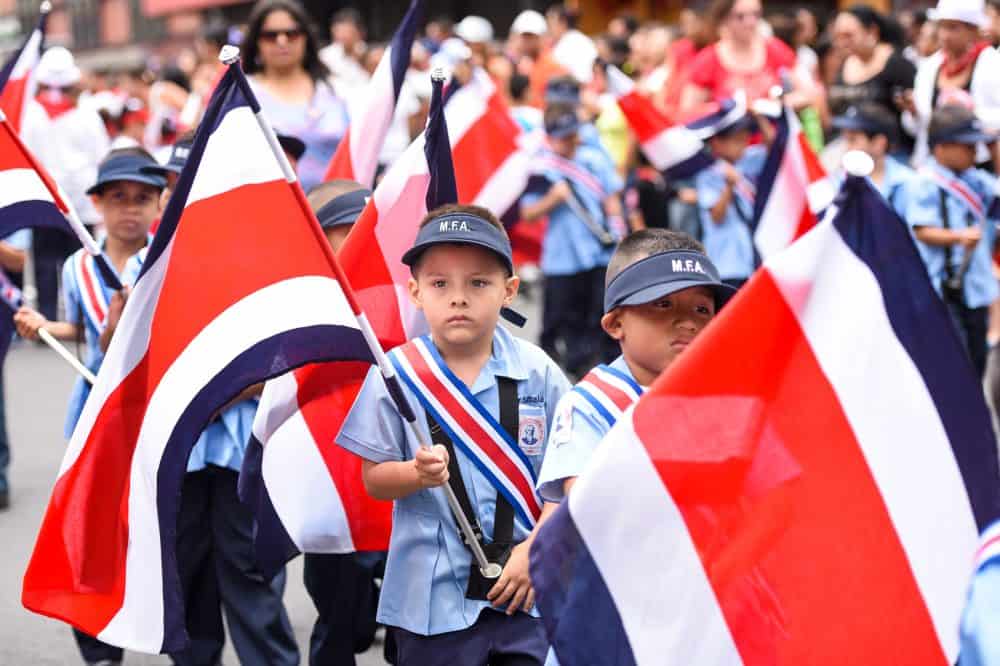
{"type": "Point", "coordinates": [344, 209]}
{"type": "Point", "coordinates": [661, 274]}
{"type": "Point", "coordinates": [178, 158]}
{"type": "Point", "coordinates": [562, 125]}
{"type": "Point", "coordinates": [856, 119]}
{"type": "Point", "coordinates": [130, 167]}
{"type": "Point", "coordinates": [562, 89]}
{"type": "Point", "coordinates": [730, 117]}
{"type": "Point", "coordinates": [967, 130]}
{"type": "Point", "coordinates": [462, 228]}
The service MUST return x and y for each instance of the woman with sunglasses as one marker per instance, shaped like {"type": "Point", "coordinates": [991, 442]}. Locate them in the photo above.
{"type": "Point", "coordinates": [743, 58]}
{"type": "Point", "coordinates": [281, 57]}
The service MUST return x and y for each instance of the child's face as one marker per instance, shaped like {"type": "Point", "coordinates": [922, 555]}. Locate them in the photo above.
{"type": "Point", "coordinates": [460, 289]}
{"type": "Point", "coordinates": [955, 156]}
{"type": "Point", "coordinates": [337, 235]}
{"type": "Point", "coordinates": [731, 145]}
{"type": "Point", "coordinates": [565, 146]}
{"type": "Point", "coordinates": [652, 335]}
{"type": "Point", "coordinates": [128, 208]}
{"type": "Point", "coordinates": [856, 140]}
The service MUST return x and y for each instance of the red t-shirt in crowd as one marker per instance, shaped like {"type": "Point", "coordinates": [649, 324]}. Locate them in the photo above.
{"type": "Point", "coordinates": [708, 72]}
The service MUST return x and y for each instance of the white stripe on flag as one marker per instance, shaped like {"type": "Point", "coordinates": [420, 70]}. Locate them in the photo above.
{"type": "Point", "coordinates": [28, 57]}
{"type": "Point", "coordinates": [671, 147]}
{"type": "Point", "coordinates": [267, 312]}
{"type": "Point", "coordinates": [237, 154]}
{"type": "Point", "coordinates": [785, 204]}
{"type": "Point", "coordinates": [892, 414]}
{"type": "Point", "coordinates": [17, 185]}
{"type": "Point", "coordinates": [379, 109]}
{"type": "Point", "coordinates": [507, 183]}
{"type": "Point", "coordinates": [641, 546]}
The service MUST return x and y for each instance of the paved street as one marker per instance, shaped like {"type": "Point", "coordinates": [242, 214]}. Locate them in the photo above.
{"type": "Point", "coordinates": [36, 385]}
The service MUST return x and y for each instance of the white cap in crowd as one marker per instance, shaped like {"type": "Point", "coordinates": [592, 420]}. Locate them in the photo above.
{"type": "Point", "coordinates": [972, 12]}
{"type": "Point", "coordinates": [529, 22]}
{"type": "Point", "coordinates": [475, 30]}
{"type": "Point", "coordinates": [57, 68]}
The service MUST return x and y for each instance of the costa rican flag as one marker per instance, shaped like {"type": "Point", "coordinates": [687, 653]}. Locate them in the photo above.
{"type": "Point", "coordinates": [815, 501]}
{"type": "Point", "coordinates": [356, 157]}
{"type": "Point", "coordinates": [306, 492]}
{"type": "Point", "coordinates": [17, 81]}
{"type": "Point", "coordinates": [675, 150]}
{"type": "Point", "coordinates": [792, 190]}
{"type": "Point", "coordinates": [239, 286]}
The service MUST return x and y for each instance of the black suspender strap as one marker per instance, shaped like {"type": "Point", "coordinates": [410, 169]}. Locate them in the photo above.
{"type": "Point", "coordinates": [949, 269]}
{"type": "Point", "coordinates": [503, 520]}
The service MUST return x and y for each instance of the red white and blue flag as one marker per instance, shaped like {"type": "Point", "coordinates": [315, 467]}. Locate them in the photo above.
{"type": "Point", "coordinates": [17, 82]}
{"type": "Point", "coordinates": [215, 310]}
{"type": "Point", "coordinates": [816, 501]}
{"type": "Point", "coordinates": [309, 493]}
{"type": "Point", "coordinates": [792, 190]}
{"type": "Point", "coordinates": [675, 150]}
{"type": "Point", "coordinates": [356, 157]}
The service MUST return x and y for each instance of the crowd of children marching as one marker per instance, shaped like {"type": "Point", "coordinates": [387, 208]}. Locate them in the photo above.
{"type": "Point", "coordinates": [634, 267]}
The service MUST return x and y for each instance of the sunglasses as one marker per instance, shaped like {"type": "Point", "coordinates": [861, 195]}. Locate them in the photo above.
{"type": "Point", "coordinates": [291, 34]}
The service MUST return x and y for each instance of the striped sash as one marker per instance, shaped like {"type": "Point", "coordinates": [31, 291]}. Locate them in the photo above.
{"type": "Point", "coordinates": [573, 171]}
{"type": "Point", "coordinates": [989, 546]}
{"type": "Point", "coordinates": [470, 426]}
{"type": "Point", "coordinates": [9, 292]}
{"type": "Point", "coordinates": [91, 288]}
{"type": "Point", "coordinates": [959, 190]}
{"type": "Point", "coordinates": [609, 391]}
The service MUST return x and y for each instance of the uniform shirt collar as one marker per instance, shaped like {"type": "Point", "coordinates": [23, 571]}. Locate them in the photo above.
{"type": "Point", "coordinates": [620, 365]}
{"type": "Point", "coordinates": [504, 361]}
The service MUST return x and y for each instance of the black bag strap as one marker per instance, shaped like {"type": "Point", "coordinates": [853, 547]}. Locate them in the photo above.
{"type": "Point", "coordinates": [503, 518]}
{"type": "Point", "coordinates": [949, 268]}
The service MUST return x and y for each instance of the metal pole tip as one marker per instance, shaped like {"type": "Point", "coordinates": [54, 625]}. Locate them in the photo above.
{"type": "Point", "coordinates": [229, 54]}
{"type": "Point", "coordinates": [45, 7]}
{"type": "Point", "coordinates": [858, 163]}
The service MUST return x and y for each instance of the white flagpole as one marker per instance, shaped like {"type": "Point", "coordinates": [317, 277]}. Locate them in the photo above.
{"type": "Point", "coordinates": [230, 55]}
{"type": "Point", "coordinates": [60, 349]}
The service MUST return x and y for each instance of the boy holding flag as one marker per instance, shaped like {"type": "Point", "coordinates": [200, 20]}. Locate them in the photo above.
{"type": "Point", "coordinates": [484, 398]}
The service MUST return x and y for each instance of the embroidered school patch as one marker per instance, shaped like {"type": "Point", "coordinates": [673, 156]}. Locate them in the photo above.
{"type": "Point", "coordinates": [531, 431]}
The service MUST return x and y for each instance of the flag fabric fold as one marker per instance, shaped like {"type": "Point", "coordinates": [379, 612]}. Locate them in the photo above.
{"type": "Point", "coordinates": [830, 516]}
{"type": "Point", "coordinates": [214, 310]}
{"type": "Point", "coordinates": [792, 190]}
{"type": "Point", "coordinates": [356, 157]}
{"type": "Point", "coordinates": [17, 83]}
{"type": "Point", "coordinates": [311, 497]}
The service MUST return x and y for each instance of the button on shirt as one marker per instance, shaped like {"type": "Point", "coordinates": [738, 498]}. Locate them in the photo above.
{"type": "Point", "coordinates": [569, 247]}
{"type": "Point", "coordinates": [428, 567]}
{"type": "Point", "coordinates": [923, 209]}
{"type": "Point", "coordinates": [729, 243]}
{"type": "Point", "coordinates": [577, 430]}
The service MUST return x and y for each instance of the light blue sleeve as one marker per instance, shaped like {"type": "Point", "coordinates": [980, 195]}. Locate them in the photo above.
{"type": "Point", "coordinates": [980, 632]}
{"type": "Point", "coordinates": [922, 203]}
{"type": "Point", "coordinates": [610, 179]}
{"type": "Point", "coordinates": [71, 294]}
{"type": "Point", "coordinates": [576, 433]}
{"type": "Point", "coordinates": [20, 239]}
{"type": "Point", "coordinates": [752, 162]}
{"type": "Point", "coordinates": [709, 185]}
{"type": "Point", "coordinates": [373, 428]}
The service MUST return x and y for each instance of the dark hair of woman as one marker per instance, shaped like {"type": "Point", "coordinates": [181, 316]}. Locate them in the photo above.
{"type": "Point", "coordinates": [264, 8]}
{"type": "Point", "coordinates": [889, 31]}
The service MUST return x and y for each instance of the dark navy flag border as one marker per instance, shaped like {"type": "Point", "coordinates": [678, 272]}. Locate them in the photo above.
{"type": "Point", "coordinates": [881, 239]}
{"type": "Point", "coordinates": [442, 188]}
{"type": "Point", "coordinates": [402, 44]}
{"type": "Point", "coordinates": [8, 67]}
{"type": "Point", "coordinates": [772, 164]}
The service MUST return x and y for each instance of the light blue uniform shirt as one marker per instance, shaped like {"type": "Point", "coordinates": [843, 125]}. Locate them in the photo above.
{"type": "Point", "coordinates": [569, 246]}
{"type": "Point", "coordinates": [577, 430]}
{"type": "Point", "coordinates": [896, 185]}
{"type": "Point", "coordinates": [20, 239]}
{"type": "Point", "coordinates": [923, 209]}
{"type": "Point", "coordinates": [980, 629]}
{"type": "Point", "coordinates": [428, 567]}
{"type": "Point", "coordinates": [729, 243]}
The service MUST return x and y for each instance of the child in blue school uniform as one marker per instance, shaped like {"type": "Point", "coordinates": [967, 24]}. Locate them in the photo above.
{"type": "Point", "coordinates": [950, 211]}
{"type": "Point", "coordinates": [662, 290]}
{"type": "Point", "coordinates": [580, 196]}
{"type": "Point", "coordinates": [128, 200]}
{"type": "Point", "coordinates": [871, 129]}
{"type": "Point", "coordinates": [469, 370]}
{"type": "Point", "coordinates": [727, 191]}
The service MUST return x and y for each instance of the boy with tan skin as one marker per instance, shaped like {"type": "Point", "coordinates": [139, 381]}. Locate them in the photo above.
{"type": "Point", "coordinates": [662, 290]}
{"type": "Point", "coordinates": [442, 611]}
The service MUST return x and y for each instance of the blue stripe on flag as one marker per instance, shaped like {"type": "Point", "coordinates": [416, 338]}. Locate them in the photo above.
{"type": "Point", "coordinates": [273, 546]}
{"type": "Point", "coordinates": [772, 164]}
{"type": "Point", "coordinates": [924, 327]}
{"type": "Point", "coordinates": [31, 213]}
{"type": "Point", "coordinates": [442, 188]}
{"type": "Point", "coordinates": [288, 350]}
{"type": "Point", "coordinates": [577, 608]}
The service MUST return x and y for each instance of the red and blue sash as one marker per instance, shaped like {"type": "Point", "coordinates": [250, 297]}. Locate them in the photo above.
{"type": "Point", "coordinates": [609, 391]}
{"type": "Point", "coordinates": [549, 160]}
{"type": "Point", "coordinates": [471, 427]}
{"type": "Point", "coordinates": [9, 292]}
{"type": "Point", "coordinates": [92, 293]}
{"type": "Point", "coordinates": [960, 191]}
{"type": "Point", "coordinates": [989, 546]}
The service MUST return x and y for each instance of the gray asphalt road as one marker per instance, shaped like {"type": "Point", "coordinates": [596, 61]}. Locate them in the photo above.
{"type": "Point", "coordinates": [36, 387]}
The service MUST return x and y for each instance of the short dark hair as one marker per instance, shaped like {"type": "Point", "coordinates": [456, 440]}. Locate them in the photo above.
{"type": "Point", "coordinates": [784, 26]}
{"type": "Point", "coordinates": [348, 15]}
{"type": "Point", "coordinates": [886, 118]}
{"type": "Point", "coordinates": [264, 8]}
{"type": "Point", "coordinates": [324, 193]}
{"type": "Point", "coordinates": [564, 14]}
{"type": "Point", "coordinates": [947, 116]}
{"type": "Point", "coordinates": [518, 86]}
{"type": "Point", "coordinates": [468, 209]}
{"type": "Point", "coordinates": [556, 110]}
{"type": "Point", "coordinates": [645, 243]}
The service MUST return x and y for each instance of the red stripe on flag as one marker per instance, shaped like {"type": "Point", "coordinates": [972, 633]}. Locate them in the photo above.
{"type": "Point", "coordinates": [326, 394]}
{"type": "Point", "coordinates": [807, 220]}
{"type": "Point", "coordinates": [814, 170]}
{"type": "Point", "coordinates": [340, 164]}
{"type": "Point", "coordinates": [780, 503]}
{"type": "Point", "coordinates": [483, 149]}
{"type": "Point", "coordinates": [14, 155]}
{"type": "Point", "coordinates": [444, 396]}
{"type": "Point", "coordinates": [644, 118]}
{"type": "Point", "coordinates": [12, 101]}
{"type": "Point", "coordinates": [620, 398]}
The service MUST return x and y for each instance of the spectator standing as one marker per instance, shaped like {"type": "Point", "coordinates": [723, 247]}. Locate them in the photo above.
{"type": "Point", "coordinates": [292, 83]}
{"type": "Point", "coordinates": [346, 49]}
{"type": "Point", "coordinates": [524, 44]}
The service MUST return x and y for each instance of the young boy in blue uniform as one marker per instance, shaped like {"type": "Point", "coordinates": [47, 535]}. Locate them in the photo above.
{"type": "Point", "coordinates": [950, 213]}
{"type": "Point", "coordinates": [661, 292]}
{"type": "Point", "coordinates": [579, 182]}
{"type": "Point", "coordinates": [980, 638]}
{"type": "Point", "coordinates": [462, 280]}
{"type": "Point", "coordinates": [727, 191]}
{"type": "Point", "coordinates": [871, 129]}
{"type": "Point", "coordinates": [128, 200]}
